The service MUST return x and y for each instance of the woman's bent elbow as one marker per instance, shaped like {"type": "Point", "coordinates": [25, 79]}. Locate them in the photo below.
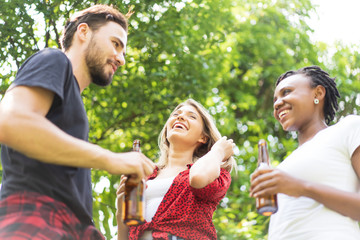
{"type": "Point", "coordinates": [198, 181]}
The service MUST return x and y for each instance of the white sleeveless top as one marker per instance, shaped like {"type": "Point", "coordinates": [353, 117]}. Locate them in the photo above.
{"type": "Point", "coordinates": [154, 194]}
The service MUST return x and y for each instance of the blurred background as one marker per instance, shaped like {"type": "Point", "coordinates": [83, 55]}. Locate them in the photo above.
{"type": "Point", "coordinates": [226, 54]}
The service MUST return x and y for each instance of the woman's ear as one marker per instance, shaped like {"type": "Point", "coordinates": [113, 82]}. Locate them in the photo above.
{"type": "Point", "coordinates": [204, 139]}
{"type": "Point", "coordinates": [320, 92]}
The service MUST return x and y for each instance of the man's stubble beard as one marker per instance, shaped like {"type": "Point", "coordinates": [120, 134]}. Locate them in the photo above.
{"type": "Point", "coordinates": [94, 62]}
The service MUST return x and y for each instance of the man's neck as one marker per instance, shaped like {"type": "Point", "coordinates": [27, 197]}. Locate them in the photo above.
{"type": "Point", "coordinates": [79, 67]}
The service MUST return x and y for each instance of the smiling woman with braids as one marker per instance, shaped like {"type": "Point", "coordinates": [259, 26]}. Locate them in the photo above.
{"type": "Point", "coordinates": [318, 183]}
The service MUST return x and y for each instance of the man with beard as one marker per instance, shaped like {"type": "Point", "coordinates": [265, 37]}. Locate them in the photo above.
{"type": "Point", "coordinates": [46, 159]}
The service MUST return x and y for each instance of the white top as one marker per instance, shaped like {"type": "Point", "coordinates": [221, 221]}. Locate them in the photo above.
{"type": "Point", "coordinates": [325, 159]}
{"type": "Point", "coordinates": [154, 194]}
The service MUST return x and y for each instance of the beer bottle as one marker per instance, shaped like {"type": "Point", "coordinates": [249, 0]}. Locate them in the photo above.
{"type": "Point", "coordinates": [265, 205]}
{"type": "Point", "coordinates": [134, 204]}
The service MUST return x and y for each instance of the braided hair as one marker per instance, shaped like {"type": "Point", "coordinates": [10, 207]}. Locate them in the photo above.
{"type": "Point", "coordinates": [319, 77]}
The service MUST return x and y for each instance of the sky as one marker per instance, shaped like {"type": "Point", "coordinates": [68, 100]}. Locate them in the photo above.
{"type": "Point", "coordinates": [338, 20]}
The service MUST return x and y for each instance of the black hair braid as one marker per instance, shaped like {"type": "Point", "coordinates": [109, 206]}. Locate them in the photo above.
{"type": "Point", "coordinates": [320, 77]}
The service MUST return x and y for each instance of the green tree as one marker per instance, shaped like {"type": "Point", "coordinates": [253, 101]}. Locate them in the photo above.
{"type": "Point", "coordinates": [226, 54]}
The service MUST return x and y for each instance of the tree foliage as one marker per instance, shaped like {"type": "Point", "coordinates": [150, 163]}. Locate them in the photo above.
{"type": "Point", "coordinates": [226, 54]}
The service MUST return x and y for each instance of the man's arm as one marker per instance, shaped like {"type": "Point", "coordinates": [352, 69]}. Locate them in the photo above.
{"type": "Point", "coordinates": [23, 127]}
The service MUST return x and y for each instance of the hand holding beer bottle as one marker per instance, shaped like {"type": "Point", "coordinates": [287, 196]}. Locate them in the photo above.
{"type": "Point", "coordinates": [265, 205]}
{"type": "Point", "coordinates": [134, 204]}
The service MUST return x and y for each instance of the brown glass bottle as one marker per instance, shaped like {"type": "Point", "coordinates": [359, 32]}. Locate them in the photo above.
{"type": "Point", "coordinates": [265, 205]}
{"type": "Point", "coordinates": [134, 204]}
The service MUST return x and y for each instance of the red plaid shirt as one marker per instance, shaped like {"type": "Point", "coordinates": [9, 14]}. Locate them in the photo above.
{"type": "Point", "coordinates": [185, 211]}
{"type": "Point", "coordinates": [33, 216]}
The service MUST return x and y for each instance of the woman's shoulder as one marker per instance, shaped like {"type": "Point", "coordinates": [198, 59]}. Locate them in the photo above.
{"type": "Point", "coordinates": [346, 125]}
{"type": "Point", "coordinates": [349, 120]}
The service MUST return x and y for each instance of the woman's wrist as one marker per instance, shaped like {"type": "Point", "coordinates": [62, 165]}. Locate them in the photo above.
{"type": "Point", "coordinates": [218, 154]}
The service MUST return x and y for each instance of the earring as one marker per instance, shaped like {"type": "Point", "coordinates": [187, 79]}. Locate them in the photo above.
{"type": "Point", "coordinates": [316, 101]}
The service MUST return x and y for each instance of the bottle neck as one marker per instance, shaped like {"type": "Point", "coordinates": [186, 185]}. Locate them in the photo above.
{"type": "Point", "coordinates": [263, 165]}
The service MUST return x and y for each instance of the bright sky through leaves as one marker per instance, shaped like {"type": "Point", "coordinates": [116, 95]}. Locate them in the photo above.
{"type": "Point", "coordinates": [337, 21]}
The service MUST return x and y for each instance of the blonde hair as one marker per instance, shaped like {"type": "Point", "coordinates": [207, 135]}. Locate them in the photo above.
{"type": "Point", "coordinates": [209, 130]}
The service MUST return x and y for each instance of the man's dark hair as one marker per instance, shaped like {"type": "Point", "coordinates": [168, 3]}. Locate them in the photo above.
{"type": "Point", "coordinates": [319, 77]}
{"type": "Point", "coordinates": [95, 17]}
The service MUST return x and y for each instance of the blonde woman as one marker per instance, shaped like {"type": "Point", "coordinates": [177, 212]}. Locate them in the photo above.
{"type": "Point", "coordinates": [191, 177]}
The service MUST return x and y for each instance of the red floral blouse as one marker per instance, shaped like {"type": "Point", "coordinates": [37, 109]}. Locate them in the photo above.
{"type": "Point", "coordinates": [186, 212]}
